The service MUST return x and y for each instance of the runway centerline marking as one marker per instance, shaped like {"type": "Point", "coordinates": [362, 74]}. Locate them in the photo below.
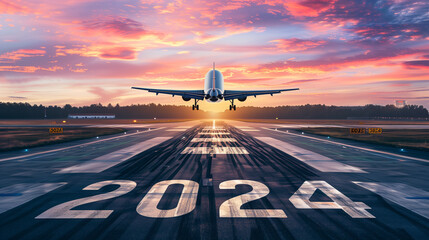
{"type": "Point", "coordinates": [320, 162]}
{"type": "Point", "coordinates": [411, 198]}
{"type": "Point", "coordinates": [18, 194]}
{"type": "Point", "coordinates": [104, 162]}
{"type": "Point", "coordinates": [351, 146]}
{"type": "Point", "coordinates": [75, 146]}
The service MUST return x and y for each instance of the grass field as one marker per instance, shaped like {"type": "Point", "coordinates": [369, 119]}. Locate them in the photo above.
{"type": "Point", "coordinates": [27, 137]}
{"type": "Point", "coordinates": [6, 122]}
{"type": "Point", "coordinates": [408, 138]}
{"type": "Point", "coordinates": [335, 121]}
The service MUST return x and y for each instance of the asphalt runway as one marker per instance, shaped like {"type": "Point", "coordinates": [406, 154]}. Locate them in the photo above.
{"type": "Point", "coordinates": [214, 180]}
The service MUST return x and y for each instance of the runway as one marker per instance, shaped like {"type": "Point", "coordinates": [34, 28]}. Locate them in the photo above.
{"type": "Point", "coordinates": [214, 180]}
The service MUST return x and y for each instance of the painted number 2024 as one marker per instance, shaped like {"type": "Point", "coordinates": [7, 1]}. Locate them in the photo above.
{"type": "Point", "coordinates": [231, 208]}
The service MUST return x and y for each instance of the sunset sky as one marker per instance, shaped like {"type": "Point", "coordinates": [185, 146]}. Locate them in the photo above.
{"type": "Point", "coordinates": [339, 52]}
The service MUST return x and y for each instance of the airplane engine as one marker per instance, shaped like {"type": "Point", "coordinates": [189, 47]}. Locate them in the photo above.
{"type": "Point", "coordinates": [185, 98]}
{"type": "Point", "coordinates": [242, 99]}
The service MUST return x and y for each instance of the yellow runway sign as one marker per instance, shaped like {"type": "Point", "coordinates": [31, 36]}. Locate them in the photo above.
{"type": "Point", "coordinates": [55, 130]}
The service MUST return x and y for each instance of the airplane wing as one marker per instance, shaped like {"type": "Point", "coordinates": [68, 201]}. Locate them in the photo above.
{"type": "Point", "coordinates": [196, 94]}
{"type": "Point", "coordinates": [232, 94]}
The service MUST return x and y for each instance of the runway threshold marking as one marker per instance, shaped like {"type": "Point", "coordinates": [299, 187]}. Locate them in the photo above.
{"type": "Point", "coordinates": [211, 133]}
{"type": "Point", "coordinates": [216, 128]}
{"type": "Point", "coordinates": [320, 162]}
{"type": "Point", "coordinates": [215, 150]}
{"type": "Point", "coordinates": [28, 156]}
{"type": "Point", "coordinates": [104, 162]}
{"type": "Point", "coordinates": [214, 139]}
{"type": "Point", "coordinates": [214, 133]}
{"type": "Point", "coordinates": [18, 194]}
{"type": "Point", "coordinates": [411, 198]}
{"type": "Point", "coordinates": [351, 146]}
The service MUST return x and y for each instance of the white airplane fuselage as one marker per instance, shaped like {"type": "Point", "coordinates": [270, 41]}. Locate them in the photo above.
{"type": "Point", "coordinates": [213, 86]}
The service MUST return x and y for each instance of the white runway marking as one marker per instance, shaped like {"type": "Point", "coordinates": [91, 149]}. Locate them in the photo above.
{"type": "Point", "coordinates": [213, 133]}
{"type": "Point", "coordinates": [109, 160]}
{"type": "Point", "coordinates": [411, 198]}
{"type": "Point", "coordinates": [301, 200]}
{"type": "Point", "coordinates": [249, 130]}
{"type": "Point", "coordinates": [351, 146]}
{"type": "Point", "coordinates": [148, 206]}
{"type": "Point", "coordinates": [18, 194]}
{"type": "Point", "coordinates": [213, 129]}
{"type": "Point", "coordinates": [64, 210]}
{"type": "Point", "coordinates": [320, 162]}
{"type": "Point", "coordinates": [215, 150]}
{"type": "Point", "coordinates": [29, 156]}
{"type": "Point", "coordinates": [214, 139]}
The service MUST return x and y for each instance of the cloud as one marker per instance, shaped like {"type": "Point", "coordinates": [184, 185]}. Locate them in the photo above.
{"type": "Point", "coordinates": [119, 53]}
{"type": "Point", "coordinates": [13, 56]}
{"type": "Point", "coordinates": [417, 64]}
{"type": "Point", "coordinates": [114, 26]}
{"type": "Point", "coordinates": [302, 81]}
{"type": "Point", "coordinates": [331, 62]}
{"type": "Point", "coordinates": [295, 44]}
{"type": "Point", "coordinates": [28, 69]}
{"type": "Point", "coordinates": [307, 8]}
{"type": "Point", "coordinates": [16, 97]}
{"type": "Point", "coordinates": [10, 7]}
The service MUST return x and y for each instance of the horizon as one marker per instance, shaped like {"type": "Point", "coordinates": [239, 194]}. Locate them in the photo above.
{"type": "Point", "coordinates": [337, 52]}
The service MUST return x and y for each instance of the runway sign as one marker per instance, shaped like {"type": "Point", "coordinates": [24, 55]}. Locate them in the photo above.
{"type": "Point", "coordinates": [375, 130]}
{"type": "Point", "coordinates": [357, 130]}
{"type": "Point", "coordinates": [56, 130]}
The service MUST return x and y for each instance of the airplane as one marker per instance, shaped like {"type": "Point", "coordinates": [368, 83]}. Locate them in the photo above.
{"type": "Point", "coordinates": [214, 91]}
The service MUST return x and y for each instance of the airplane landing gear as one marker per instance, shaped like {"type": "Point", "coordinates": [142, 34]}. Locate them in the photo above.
{"type": "Point", "coordinates": [232, 106]}
{"type": "Point", "coordinates": [196, 106]}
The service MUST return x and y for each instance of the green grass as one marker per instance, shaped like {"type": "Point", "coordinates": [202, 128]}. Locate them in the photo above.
{"type": "Point", "coordinates": [27, 137]}
{"type": "Point", "coordinates": [403, 138]}
{"type": "Point", "coordinates": [334, 121]}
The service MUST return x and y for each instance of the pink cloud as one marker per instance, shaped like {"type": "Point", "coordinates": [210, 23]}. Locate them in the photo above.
{"type": "Point", "coordinates": [28, 69]}
{"type": "Point", "coordinates": [119, 53]}
{"type": "Point", "coordinates": [295, 44]}
{"type": "Point", "coordinates": [115, 26]}
{"type": "Point", "coordinates": [11, 7]}
{"type": "Point", "coordinates": [11, 57]}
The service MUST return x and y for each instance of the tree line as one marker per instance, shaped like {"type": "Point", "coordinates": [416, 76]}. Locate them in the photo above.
{"type": "Point", "coordinates": [14, 110]}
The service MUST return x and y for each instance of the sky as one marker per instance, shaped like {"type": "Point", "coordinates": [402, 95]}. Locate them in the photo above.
{"type": "Point", "coordinates": [338, 52]}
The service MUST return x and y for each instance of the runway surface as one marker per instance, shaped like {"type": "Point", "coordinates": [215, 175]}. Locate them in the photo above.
{"type": "Point", "coordinates": [214, 180]}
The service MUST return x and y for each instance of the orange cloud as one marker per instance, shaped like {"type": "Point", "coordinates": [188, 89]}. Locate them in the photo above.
{"type": "Point", "coordinates": [303, 8]}
{"type": "Point", "coordinates": [28, 69]}
{"type": "Point", "coordinates": [10, 57]}
{"type": "Point", "coordinates": [10, 7]}
{"type": "Point", "coordinates": [119, 53]}
{"type": "Point", "coordinates": [295, 44]}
